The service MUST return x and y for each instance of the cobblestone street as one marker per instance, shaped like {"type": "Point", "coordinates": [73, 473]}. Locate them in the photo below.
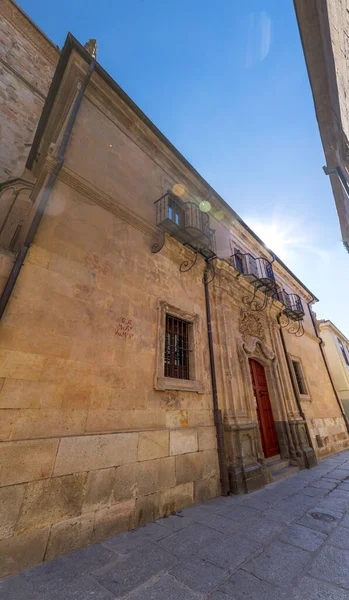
{"type": "Point", "coordinates": [288, 541]}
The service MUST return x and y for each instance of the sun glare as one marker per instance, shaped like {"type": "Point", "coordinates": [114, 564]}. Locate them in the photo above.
{"type": "Point", "coordinates": [281, 238]}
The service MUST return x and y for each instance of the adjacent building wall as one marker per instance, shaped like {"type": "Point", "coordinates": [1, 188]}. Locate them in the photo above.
{"type": "Point", "coordinates": [27, 62]}
{"type": "Point", "coordinates": [323, 28]}
{"type": "Point", "coordinates": [336, 361]}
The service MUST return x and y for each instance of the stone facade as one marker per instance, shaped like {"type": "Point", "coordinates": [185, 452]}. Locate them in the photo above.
{"type": "Point", "coordinates": [96, 439]}
{"type": "Point", "coordinates": [336, 347]}
{"type": "Point", "coordinates": [324, 30]}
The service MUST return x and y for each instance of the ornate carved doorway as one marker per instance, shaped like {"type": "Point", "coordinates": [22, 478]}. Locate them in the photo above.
{"type": "Point", "coordinates": [264, 412]}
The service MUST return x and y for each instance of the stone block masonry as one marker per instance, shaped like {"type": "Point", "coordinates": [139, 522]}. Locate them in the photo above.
{"type": "Point", "coordinates": [90, 488]}
{"type": "Point", "coordinates": [288, 541]}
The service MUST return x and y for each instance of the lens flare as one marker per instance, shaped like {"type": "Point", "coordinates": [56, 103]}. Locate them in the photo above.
{"type": "Point", "coordinates": [205, 206]}
{"type": "Point", "coordinates": [178, 189]}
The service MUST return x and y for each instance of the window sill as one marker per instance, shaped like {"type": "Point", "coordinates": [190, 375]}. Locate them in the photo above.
{"type": "Point", "coordinates": [181, 385]}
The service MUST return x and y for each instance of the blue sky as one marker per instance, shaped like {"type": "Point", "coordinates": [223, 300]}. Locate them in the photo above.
{"type": "Point", "coordinates": [226, 82]}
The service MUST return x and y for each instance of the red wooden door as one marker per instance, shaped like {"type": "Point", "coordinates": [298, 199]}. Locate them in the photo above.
{"type": "Point", "coordinates": [264, 412]}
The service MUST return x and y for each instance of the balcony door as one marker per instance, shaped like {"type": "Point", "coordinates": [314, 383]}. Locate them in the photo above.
{"type": "Point", "coordinates": [264, 411]}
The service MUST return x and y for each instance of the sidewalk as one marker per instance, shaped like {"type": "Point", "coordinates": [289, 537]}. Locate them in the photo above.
{"type": "Point", "coordinates": [289, 541]}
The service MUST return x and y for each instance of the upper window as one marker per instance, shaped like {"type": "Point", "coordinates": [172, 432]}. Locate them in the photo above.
{"type": "Point", "coordinates": [299, 377]}
{"type": "Point", "coordinates": [177, 348]}
{"type": "Point", "coordinates": [343, 351]}
{"type": "Point", "coordinates": [175, 211]}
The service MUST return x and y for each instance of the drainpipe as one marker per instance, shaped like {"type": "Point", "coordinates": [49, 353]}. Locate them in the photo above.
{"type": "Point", "coordinates": [217, 413]}
{"type": "Point", "coordinates": [301, 412]}
{"type": "Point", "coordinates": [10, 284]}
{"type": "Point", "coordinates": [327, 367]}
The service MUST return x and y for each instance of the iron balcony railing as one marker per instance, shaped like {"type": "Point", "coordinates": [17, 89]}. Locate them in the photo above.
{"type": "Point", "coordinates": [293, 305]}
{"type": "Point", "coordinates": [187, 223]}
{"type": "Point", "coordinates": [258, 271]}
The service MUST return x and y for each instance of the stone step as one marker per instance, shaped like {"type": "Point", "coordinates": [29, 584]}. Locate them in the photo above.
{"type": "Point", "coordinates": [272, 459]}
{"type": "Point", "coordinates": [278, 465]}
{"type": "Point", "coordinates": [284, 472]}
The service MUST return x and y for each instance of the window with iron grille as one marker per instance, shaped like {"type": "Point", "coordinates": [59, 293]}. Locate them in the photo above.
{"type": "Point", "coordinates": [343, 351]}
{"type": "Point", "coordinates": [299, 377]}
{"type": "Point", "coordinates": [177, 348]}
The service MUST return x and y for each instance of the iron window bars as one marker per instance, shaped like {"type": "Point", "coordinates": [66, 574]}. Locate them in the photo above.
{"type": "Point", "coordinates": [176, 348]}
{"type": "Point", "coordinates": [187, 223]}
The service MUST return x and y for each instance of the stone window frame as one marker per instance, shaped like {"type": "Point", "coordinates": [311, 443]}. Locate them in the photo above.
{"type": "Point", "coordinates": [298, 360]}
{"type": "Point", "coordinates": [162, 383]}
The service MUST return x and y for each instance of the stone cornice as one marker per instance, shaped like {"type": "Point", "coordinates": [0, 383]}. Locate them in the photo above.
{"type": "Point", "coordinates": [18, 18]}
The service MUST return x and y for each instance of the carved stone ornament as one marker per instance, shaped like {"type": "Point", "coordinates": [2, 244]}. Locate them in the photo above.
{"type": "Point", "coordinates": [256, 347]}
{"type": "Point", "coordinates": [91, 47]}
{"type": "Point", "coordinates": [251, 325]}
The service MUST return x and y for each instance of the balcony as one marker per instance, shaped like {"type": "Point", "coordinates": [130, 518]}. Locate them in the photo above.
{"type": "Point", "coordinates": [258, 271]}
{"type": "Point", "coordinates": [293, 305]}
{"type": "Point", "coordinates": [187, 223]}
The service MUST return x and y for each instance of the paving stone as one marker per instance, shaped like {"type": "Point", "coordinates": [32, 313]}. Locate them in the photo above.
{"type": "Point", "coordinates": [323, 526]}
{"type": "Point", "coordinates": [303, 537]}
{"type": "Point", "coordinates": [138, 568]}
{"type": "Point", "coordinates": [315, 492]}
{"type": "Point", "coordinates": [199, 575]}
{"type": "Point", "coordinates": [174, 522]}
{"type": "Point", "coordinates": [345, 521]}
{"type": "Point", "coordinates": [262, 529]}
{"type": "Point", "coordinates": [189, 540]}
{"type": "Point", "coordinates": [290, 509]}
{"type": "Point", "coordinates": [90, 558]}
{"type": "Point", "coordinates": [164, 587]}
{"type": "Point", "coordinates": [344, 486]}
{"type": "Point", "coordinates": [239, 514]}
{"type": "Point", "coordinates": [339, 538]}
{"type": "Point", "coordinates": [332, 566]}
{"type": "Point", "coordinates": [229, 552]}
{"type": "Point", "coordinates": [253, 501]}
{"type": "Point", "coordinates": [334, 503]}
{"type": "Point", "coordinates": [80, 588]}
{"type": "Point", "coordinates": [339, 474]}
{"type": "Point", "coordinates": [195, 513]}
{"type": "Point", "coordinates": [56, 573]}
{"type": "Point", "coordinates": [218, 522]}
{"type": "Point", "coordinates": [17, 588]}
{"type": "Point", "coordinates": [244, 586]}
{"type": "Point", "coordinates": [324, 484]}
{"type": "Point", "coordinates": [62, 570]}
{"type": "Point", "coordinates": [280, 563]}
{"type": "Point", "coordinates": [223, 500]}
{"type": "Point", "coordinates": [129, 541]}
